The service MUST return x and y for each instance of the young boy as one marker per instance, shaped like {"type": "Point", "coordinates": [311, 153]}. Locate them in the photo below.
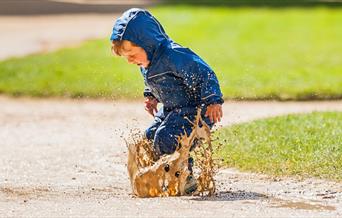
{"type": "Point", "coordinates": [174, 76]}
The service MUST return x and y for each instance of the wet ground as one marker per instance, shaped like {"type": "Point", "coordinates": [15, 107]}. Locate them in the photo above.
{"type": "Point", "coordinates": [67, 158]}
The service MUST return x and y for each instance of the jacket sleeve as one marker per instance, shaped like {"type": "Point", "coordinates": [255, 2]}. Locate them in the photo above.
{"type": "Point", "coordinates": [198, 75]}
{"type": "Point", "coordinates": [147, 89]}
{"type": "Point", "coordinates": [148, 92]}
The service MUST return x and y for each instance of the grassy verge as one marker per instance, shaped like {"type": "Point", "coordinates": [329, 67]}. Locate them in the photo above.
{"type": "Point", "coordinates": [74, 72]}
{"type": "Point", "coordinates": [308, 145]}
{"type": "Point", "coordinates": [257, 53]}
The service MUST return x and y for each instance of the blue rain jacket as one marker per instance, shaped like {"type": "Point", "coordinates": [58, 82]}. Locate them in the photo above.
{"type": "Point", "coordinates": [176, 76]}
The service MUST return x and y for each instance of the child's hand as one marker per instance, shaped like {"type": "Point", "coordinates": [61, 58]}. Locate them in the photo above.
{"type": "Point", "coordinates": [214, 112]}
{"type": "Point", "coordinates": [151, 105]}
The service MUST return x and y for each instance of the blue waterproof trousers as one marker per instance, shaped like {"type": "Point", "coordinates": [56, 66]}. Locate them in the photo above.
{"type": "Point", "coordinates": [168, 125]}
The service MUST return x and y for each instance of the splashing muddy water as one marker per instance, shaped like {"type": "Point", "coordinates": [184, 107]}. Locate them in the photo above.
{"type": "Point", "coordinates": [167, 176]}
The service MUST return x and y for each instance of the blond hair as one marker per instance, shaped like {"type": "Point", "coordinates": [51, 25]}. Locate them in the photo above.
{"type": "Point", "coordinates": [118, 46]}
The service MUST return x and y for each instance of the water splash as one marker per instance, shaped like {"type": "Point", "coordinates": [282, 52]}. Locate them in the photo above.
{"type": "Point", "coordinates": [167, 176]}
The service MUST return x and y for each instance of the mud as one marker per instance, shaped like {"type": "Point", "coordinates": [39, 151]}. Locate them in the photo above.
{"type": "Point", "coordinates": [67, 158]}
{"type": "Point", "coordinates": [165, 176]}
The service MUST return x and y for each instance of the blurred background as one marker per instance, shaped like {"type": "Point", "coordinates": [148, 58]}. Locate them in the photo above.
{"type": "Point", "coordinates": [282, 50]}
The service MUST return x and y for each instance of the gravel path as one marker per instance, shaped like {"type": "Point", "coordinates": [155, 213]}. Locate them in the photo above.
{"type": "Point", "coordinates": [66, 158]}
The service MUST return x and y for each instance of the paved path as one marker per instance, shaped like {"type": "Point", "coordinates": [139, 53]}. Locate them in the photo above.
{"type": "Point", "coordinates": [31, 34]}
{"type": "Point", "coordinates": [66, 158]}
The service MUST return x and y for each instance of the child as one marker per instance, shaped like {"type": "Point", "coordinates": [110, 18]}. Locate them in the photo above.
{"type": "Point", "coordinates": [174, 76]}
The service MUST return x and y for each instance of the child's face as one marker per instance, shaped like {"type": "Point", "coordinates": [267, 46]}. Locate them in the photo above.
{"type": "Point", "coordinates": [134, 54]}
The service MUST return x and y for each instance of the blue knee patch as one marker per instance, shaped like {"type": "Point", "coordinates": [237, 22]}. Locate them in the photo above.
{"type": "Point", "coordinates": [165, 142]}
{"type": "Point", "coordinates": [150, 132]}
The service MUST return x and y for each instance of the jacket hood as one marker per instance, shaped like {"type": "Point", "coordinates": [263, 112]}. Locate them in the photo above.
{"type": "Point", "coordinates": [140, 27]}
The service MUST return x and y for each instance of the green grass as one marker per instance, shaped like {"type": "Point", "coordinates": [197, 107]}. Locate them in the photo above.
{"type": "Point", "coordinates": [257, 53]}
{"type": "Point", "coordinates": [255, 3]}
{"type": "Point", "coordinates": [76, 72]}
{"type": "Point", "coordinates": [308, 145]}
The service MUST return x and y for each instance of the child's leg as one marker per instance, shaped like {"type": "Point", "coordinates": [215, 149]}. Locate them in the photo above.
{"type": "Point", "coordinates": [173, 125]}
{"type": "Point", "coordinates": [158, 119]}
{"type": "Point", "coordinates": [166, 135]}
{"type": "Point", "coordinates": [151, 131]}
